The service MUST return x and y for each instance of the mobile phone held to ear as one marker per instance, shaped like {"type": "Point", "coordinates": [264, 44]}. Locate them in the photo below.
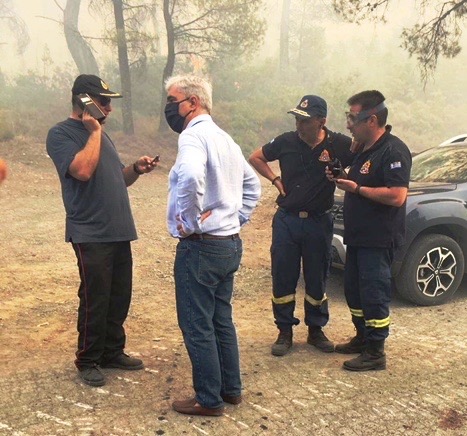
{"type": "Point", "coordinates": [86, 103]}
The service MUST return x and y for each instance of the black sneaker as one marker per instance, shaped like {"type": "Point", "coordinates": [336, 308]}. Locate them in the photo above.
{"type": "Point", "coordinates": [123, 361]}
{"type": "Point", "coordinates": [317, 338]}
{"type": "Point", "coordinates": [92, 376]}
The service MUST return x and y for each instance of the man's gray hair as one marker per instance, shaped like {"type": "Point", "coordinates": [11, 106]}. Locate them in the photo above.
{"type": "Point", "coordinates": [192, 85]}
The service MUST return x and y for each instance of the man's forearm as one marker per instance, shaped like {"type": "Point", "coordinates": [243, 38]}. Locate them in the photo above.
{"type": "Point", "coordinates": [263, 168]}
{"type": "Point", "coordinates": [130, 175]}
{"type": "Point", "coordinates": [85, 162]}
{"type": "Point", "coordinates": [394, 196]}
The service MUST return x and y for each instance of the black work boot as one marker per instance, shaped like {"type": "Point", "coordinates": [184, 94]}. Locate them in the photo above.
{"type": "Point", "coordinates": [92, 376]}
{"type": "Point", "coordinates": [283, 343]}
{"type": "Point", "coordinates": [355, 346]}
{"type": "Point", "coordinates": [317, 338]}
{"type": "Point", "coordinates": [372, 357]}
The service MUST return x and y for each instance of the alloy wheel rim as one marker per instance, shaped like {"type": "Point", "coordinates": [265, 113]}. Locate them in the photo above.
{"type": "Point", "coordinates": [436, 272]}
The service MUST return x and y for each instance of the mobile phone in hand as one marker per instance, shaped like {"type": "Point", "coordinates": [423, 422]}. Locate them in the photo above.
{"type": "Point", "coordinates": [86, 103]}
{"type": "Point", "coordinates": [336, 167]}
{"type": "Point", "coordinates": [156, 159]}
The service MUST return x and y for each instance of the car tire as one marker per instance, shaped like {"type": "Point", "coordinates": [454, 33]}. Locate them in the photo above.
{"type": "Point", "coordinates": [432, 270]}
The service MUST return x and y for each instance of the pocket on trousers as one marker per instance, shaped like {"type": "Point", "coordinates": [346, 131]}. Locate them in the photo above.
{"type": "Point", "coordinates": [376, 285]}
{"type": "Point", "coordinates": [214, 267]}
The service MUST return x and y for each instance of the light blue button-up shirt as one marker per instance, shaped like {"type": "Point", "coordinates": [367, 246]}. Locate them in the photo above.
{"type": "Point", "coordinates": [210, 174]}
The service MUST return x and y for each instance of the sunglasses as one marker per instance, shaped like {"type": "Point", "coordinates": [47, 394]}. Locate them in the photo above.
{"type": "Point", "coordinates": [103, 101]}
{"type": "Point", "coordinates": [354, 118]}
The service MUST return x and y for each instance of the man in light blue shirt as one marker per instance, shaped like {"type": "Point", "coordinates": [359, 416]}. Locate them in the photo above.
{"type": "Point", "coordinates": [212, 193]}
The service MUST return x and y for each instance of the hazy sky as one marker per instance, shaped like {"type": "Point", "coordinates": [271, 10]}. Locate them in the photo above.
{"type": "Point", "coordinates": [44, 32]}
{"type": "Point", "coordinates": [349, 50]}
{"type": "Point", "coordinates": [48, 33]}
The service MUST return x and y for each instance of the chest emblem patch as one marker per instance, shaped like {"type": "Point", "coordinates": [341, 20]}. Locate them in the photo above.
{"type": "Point", "coordinates": [365, 169]}
{"type": "Point", "coordinates": [324, 156]}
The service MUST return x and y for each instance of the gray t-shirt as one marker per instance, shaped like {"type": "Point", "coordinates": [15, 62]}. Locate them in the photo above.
{"type": "Point", "coordinates": [97, 210]}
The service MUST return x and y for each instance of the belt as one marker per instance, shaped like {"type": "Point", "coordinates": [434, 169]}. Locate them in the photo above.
{"type": "Point", "coordinates": [202, 236]}
{"type": "Point", "coordinates": [304, 213]}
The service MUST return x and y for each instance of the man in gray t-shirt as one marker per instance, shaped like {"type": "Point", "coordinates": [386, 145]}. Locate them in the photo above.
{"type": "Point", "coordinates": [99, 224]}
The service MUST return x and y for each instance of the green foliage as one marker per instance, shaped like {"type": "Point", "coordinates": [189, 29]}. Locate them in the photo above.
{"type": "Point", "coordinates": [7, 130]}
{"type": "Point", "coordinates": [251, 103]}
{"type": "Point", "coordinates": [146, 89]}
{"type": "Point", "coordinates": [438, 35]}
{"type": "Point", "coordinates": [210, 28]}
{"type": "Point", "coordinates": [251, 100]}
{"type": "Point", "coordinates": [32, 102]}
{"type": "Point", "coordinates": [142, 42]}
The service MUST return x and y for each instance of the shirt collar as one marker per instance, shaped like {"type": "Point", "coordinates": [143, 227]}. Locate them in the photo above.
{"type": "Point", "coordinates": [380, 140]}
{"type": "Point", "coordinates": [198, 119]}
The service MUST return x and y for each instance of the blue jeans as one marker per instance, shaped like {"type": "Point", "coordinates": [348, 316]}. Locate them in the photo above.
{"type": "Point", "coordinates": [367, 287]}
{"type": "Point", "coordinates": [204, 276]}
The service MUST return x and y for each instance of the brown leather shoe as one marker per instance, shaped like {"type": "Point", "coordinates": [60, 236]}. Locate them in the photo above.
{"type": "Point", "coordinates": [191, 407]}
{"type": "Point", "coordinates": [231, 399]}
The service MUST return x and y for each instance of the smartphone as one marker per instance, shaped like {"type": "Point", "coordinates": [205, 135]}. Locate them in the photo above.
{"type": "Point", "coordinates": [86, 103]}
{"type": "Point", "coordinates": [336, 167]}
{"type": "Point", "coordinates": [156, 159]}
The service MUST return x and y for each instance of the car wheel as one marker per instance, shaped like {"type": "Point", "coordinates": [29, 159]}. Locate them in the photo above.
{"type": "Point", "coordinates": [432, 270]}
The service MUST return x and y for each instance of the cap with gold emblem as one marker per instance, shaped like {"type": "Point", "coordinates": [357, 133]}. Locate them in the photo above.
{"type": "Point", "coordinates": [310, 106]}
{"type": "Point", "coordinates": [90, 84]}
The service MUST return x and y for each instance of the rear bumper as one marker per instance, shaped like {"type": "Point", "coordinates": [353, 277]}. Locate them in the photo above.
{"type": "Point", "coordinates": [338, 251]}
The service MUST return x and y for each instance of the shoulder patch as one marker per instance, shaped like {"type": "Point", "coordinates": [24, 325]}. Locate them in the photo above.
{"type": "Point", "coordinates": [324, 156]}
{"type": "Point", "coordinates": [396, 165]}
{"type": "Point", "coordinates": [365, 169]}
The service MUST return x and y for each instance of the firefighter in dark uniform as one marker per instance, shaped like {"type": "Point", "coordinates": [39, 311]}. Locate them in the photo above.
{"type": "Point", "coordinates": [302, 227]}
{"type": "Point", "coordinates": [374, 219]}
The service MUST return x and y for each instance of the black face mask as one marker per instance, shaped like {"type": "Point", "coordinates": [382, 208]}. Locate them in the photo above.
{"type": "Point", "coordinates": [174, 119]}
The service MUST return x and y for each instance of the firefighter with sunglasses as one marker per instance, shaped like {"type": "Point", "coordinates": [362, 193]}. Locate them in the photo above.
{"type": "Point", "coordinates": [374, 225]}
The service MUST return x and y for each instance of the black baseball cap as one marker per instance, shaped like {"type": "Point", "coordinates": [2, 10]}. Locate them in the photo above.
{"type": "Point", "coordinates": [310, 106]}
{"type": "Point", "coordinates": [91, 84]}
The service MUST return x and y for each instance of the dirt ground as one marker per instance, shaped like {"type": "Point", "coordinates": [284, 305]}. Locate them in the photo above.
{"type": "Point", "coordinates": [423, 391]}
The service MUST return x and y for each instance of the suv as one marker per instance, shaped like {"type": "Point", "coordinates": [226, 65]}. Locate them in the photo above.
{"type": "Point", "coordinates": [428, 269]}
{"type": "Point", "coordinates": [454, 140]}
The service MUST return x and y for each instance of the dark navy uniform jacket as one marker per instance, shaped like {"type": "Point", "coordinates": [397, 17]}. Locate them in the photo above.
{"type": "Point", "coordinates": [303, 169]}
{"type": "Point", "coordinates": [369, 223]}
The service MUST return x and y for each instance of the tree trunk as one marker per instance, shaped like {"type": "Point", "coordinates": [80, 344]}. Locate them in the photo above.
{"type": "Point", "coordinates": [124, 68]}
{"type": "Point", "coordinates": [284, 38]}
{"type": "Point", "coordinates": [78, 47]}
{"type": "Point", "coordinates": [170, 64]}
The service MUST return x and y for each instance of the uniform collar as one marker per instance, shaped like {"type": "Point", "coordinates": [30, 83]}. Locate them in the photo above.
{"type": "Point", "coordinates": [379, 142]}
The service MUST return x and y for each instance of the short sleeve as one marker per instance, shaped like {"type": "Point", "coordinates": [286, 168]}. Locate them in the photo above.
{"type": "Point", "coordinates": [62, 149]}
{"type": "Point", "coordinates": [272, 150]}
{"type": "Point", "coordinates": [397, 165]}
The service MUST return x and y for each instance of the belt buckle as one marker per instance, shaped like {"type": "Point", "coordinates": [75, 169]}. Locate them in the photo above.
{"type": "Point", "coordinates": [303, 214]}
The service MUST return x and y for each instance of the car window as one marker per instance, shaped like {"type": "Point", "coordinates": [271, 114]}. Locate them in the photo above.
{"type": "Point", "coordinates": [440, 164]}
